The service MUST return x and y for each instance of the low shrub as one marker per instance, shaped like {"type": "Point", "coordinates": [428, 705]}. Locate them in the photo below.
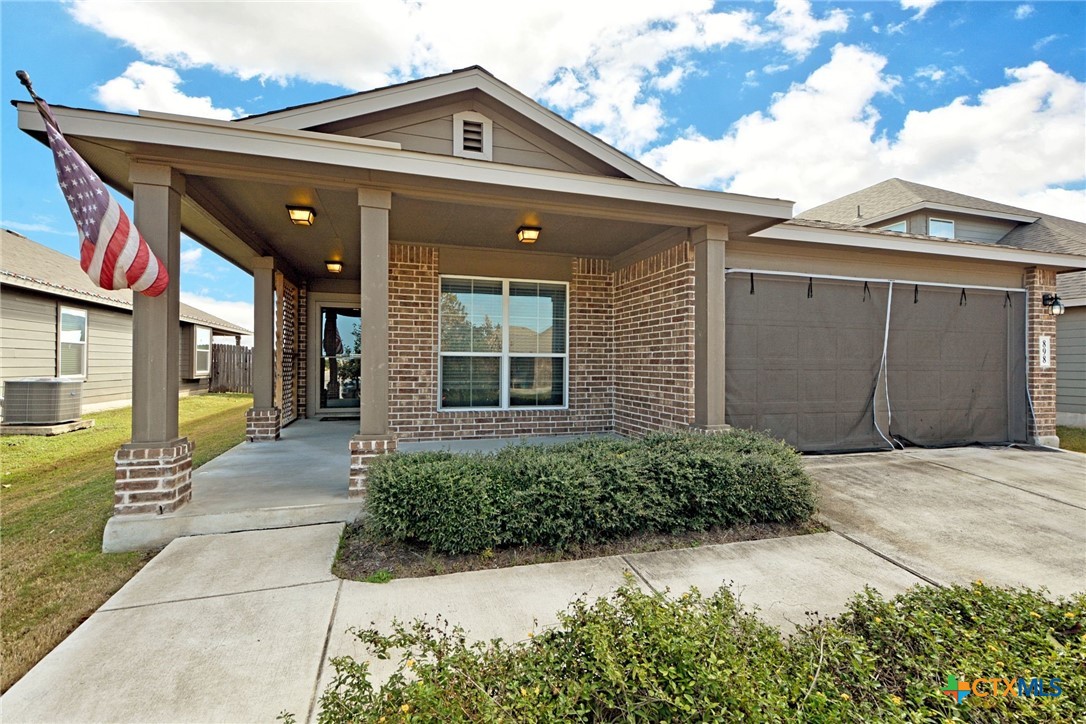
{"type": "Point", "coordinates": [646, 657]}
{"type": "Point", "coordinates": [587, 492]}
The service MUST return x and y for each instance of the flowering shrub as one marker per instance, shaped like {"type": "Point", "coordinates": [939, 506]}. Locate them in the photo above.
{"type": "Point", "coordinates": [587, 492]}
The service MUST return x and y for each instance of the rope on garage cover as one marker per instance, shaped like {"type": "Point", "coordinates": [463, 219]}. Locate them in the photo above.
{"type": "Point", "coordinates": [883, 376]}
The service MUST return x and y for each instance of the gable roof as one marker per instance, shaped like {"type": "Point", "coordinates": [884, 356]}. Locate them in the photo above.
{"type": "Point", "coordinates": [474, 78]}
{"type": "Point", "coordinates": [27, 264]}
{"type": "Point", "coordinates": [893, 197]}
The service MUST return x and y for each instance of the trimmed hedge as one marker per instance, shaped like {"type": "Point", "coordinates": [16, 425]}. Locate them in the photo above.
{"type": "Point", "coordinates": [587, 492]}
{"type": "Point", "coordinates": [642, 657]}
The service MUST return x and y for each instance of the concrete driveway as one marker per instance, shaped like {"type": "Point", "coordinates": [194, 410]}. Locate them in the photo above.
{"type": "Point", "coordinates": [1005, 515]}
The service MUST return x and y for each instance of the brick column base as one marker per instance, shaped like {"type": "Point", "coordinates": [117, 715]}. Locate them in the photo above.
{"type": "Point", "coordinates": [364, 448]}
{"type": "Point", "coordinates": [709, 429]}
{"type": "Point", "coordinates": [152, 477]}
{"type": "Point", "coordinates": [262, 424]}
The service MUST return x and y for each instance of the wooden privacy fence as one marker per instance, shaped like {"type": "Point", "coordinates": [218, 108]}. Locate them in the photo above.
{"type": "Point", "coordinates": [231, 368]}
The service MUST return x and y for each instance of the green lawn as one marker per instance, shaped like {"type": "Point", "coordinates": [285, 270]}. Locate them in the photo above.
{"type": "Point", "coordinates": [56, 495]}
{"type": "Point", "coordinates": [1072, 438]}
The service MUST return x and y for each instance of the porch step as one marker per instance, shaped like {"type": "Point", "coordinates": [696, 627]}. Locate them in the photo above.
{"type": "Point", "coordinates": [142, 532]}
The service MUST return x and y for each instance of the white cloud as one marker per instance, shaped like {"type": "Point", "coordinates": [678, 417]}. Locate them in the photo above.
{"type": "Point", "coordinates": [1023, 11]}
{"type": "Point", "coordinates": [239, 313]}
{"type": "Point", "coordinates": [772, 69]}
{"type": "Point", "coordinates": [800, 31]}
{"type": "Point", "coordinates": [921, 6]}
{"type": "Point", "coordinates": [34, 227]}
{"type": "Point", "coordinates": [602, 63]}
{"type": "Point", "coordinates": [930, 72]}
{"type": "Point", "coordinates": [143, 86]}
{"type": "Point", "coordinates": [1045, 41]}
{"type": "Point", "coordinates": [190, 259]}
{"type": "Point", "coordinates": [1015, 143]}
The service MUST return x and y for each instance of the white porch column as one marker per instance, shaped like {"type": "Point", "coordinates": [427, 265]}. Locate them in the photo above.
{"type": "Point", "coordinates": [153, 472]}
{"type": "Point", "coordinates": [263, 420]}
{"type": "Point", "coordinates": [709, 242]}
{"type": "Point", "coordinates": [373, 435]}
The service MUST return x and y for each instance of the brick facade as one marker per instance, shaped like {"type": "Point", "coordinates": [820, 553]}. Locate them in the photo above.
{"type": "Point", "coordinates": [152, 478]}
{"type": "Point", "coordinates": [654, 342]}
{"type": "Point", "coordinates": [1042, 381]}
{"type": "Point", "coordinates": [413, 358]}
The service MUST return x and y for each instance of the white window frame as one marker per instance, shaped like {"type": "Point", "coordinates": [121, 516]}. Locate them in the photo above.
{"type": "Point", "coordinates": [898, 226]}
{"type": "Point", "coordinates": [953, 230]}
{"type": "Point", "coordinates": [504, 364]}
{"type": "Point", "coordinates": [196, 371]}
{"type": "Point", "coordinates": [487, 154]}
{"type": "Point", "coordinates": [75, 312]}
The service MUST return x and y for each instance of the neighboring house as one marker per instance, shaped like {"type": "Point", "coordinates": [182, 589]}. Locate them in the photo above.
{"type": "Point", "coordinates": [1071, 371]}
{"type": "Point", "coordinates": [55, 322]}
{"type": "Point", "coordinates": [447, 259]}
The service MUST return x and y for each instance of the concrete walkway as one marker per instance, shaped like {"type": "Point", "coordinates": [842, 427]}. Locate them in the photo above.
{"type": "Point", "coordinates": [237, 627]}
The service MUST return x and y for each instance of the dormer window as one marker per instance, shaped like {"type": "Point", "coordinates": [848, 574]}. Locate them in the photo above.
{"type": "Point", "coordinates": [941, 227]}
{"type": "Point", "coordinates": [900, 226]}
{"type": "Point", "coordinates": [473, 136]}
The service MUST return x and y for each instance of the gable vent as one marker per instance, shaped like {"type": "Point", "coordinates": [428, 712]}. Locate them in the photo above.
{"type": "Point", "coordinates": [473, 135]}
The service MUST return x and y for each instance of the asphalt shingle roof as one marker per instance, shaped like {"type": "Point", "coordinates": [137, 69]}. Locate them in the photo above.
{"type": "Point", "coordinates": [27, 264]}
{"type": "Point", "coordinates": [1049, 233]}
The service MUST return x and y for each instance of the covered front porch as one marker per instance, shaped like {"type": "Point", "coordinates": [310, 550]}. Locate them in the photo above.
{"type": "Point", "coordinates": [257, 486]}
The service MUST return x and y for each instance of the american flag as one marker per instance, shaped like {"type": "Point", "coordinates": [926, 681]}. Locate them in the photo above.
{"type": "Point", "coordinates": [112, 252]}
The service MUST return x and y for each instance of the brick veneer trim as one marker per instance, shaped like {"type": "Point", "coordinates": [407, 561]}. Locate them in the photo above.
{"type": "Point", "coordinates": [152, 478]}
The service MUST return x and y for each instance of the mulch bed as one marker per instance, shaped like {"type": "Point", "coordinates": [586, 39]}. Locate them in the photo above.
{"type": "Point", "coordinates": [363, 555]}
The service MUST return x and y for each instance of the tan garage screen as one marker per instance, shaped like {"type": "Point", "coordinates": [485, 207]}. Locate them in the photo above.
{"type": "Point", "coordinates": [810, 361]}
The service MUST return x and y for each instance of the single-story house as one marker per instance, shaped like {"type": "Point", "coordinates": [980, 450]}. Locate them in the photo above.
{"type": "Point", "coordinates": [55, 323]}
{"type": "Point", "coordinates": [454, 260]}
{"type": "Point", "coordinates": [1071, 331]}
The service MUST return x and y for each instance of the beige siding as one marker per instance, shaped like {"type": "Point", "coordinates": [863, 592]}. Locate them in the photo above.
{"type": "Point", "coordinates": [969, 228]}
{"type": "Point", "coordinates": [1071, 361]}
{"type": "Point", "coordinates": [28, 335]}
{"type": "Point", "coordinates": [817, 259]}
{"type": "Point", "coordinates": [109, 356]}
{"type": "Point", "coordinates": [185, 354]}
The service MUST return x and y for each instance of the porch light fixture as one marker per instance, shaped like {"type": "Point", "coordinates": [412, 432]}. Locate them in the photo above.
{"type": "Point", "coordinates": [334, 266]}
{"type": "Point", "coordinates": [301, 215]}
{"type": "Point", "coordinates": [528, 234]}
{"type": "Point", "coordinates": [1054, 304]}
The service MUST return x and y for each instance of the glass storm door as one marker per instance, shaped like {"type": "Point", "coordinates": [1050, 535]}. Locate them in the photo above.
{"type": "Point", "coordinates": [340, 360]}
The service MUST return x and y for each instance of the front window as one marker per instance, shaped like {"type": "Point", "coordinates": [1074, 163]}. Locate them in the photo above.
{"type": "Point", "coordinates": [503, 343]}
{"type": "Point", "coordinates": [72, 343]}
{"type": "Point", "coordinates": [941, 227]}
{"type": "Point", "coordinates": [202, 360]}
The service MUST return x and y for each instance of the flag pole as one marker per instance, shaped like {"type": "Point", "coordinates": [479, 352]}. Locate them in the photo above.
{"type": "Point", "coordinates": [46, 114]}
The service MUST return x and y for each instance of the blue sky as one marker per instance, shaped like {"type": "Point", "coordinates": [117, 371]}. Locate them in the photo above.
{"type": "Point", "coordinates": [789, 99]}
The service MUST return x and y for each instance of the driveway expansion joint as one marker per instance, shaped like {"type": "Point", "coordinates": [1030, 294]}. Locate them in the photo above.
{"type": "Point", "coordinates": [1004, 483]}
{"type": "Point", "coordinates": [888, 559]}
{"type": "Point", "coordinates": [324, 656]}
{"type": "Point", "coordinates": [638, 573]}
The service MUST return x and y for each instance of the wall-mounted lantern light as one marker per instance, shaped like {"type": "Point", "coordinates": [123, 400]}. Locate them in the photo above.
{"type": "Point", "coordinates": [334, 266]}
{"type": "Point", "coordinates": [1054, 304]}
{"type": "Point", "coordinates": [301, 215]}
{"type": "Point", "coordinates": [528, 234]}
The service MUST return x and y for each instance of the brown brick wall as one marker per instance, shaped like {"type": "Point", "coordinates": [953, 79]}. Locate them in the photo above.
{"type": "Point", "coordinates": [262, 425]}
{"type": "Point", "coordinates": [1042, 382]}
{"type": "Point", "coordinates": [413, 305]}
{"type": "Point", "coordinates": [287, 336]}
{"type": "Point", "coordinates": [654, 342]}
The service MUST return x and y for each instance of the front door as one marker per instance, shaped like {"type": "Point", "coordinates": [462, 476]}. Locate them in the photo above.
{"type": "Point", "coordinates": [340, 350]}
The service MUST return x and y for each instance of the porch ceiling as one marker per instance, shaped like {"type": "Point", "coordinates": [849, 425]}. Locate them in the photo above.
{"type": "Point", "coordinates": [259, 208]}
